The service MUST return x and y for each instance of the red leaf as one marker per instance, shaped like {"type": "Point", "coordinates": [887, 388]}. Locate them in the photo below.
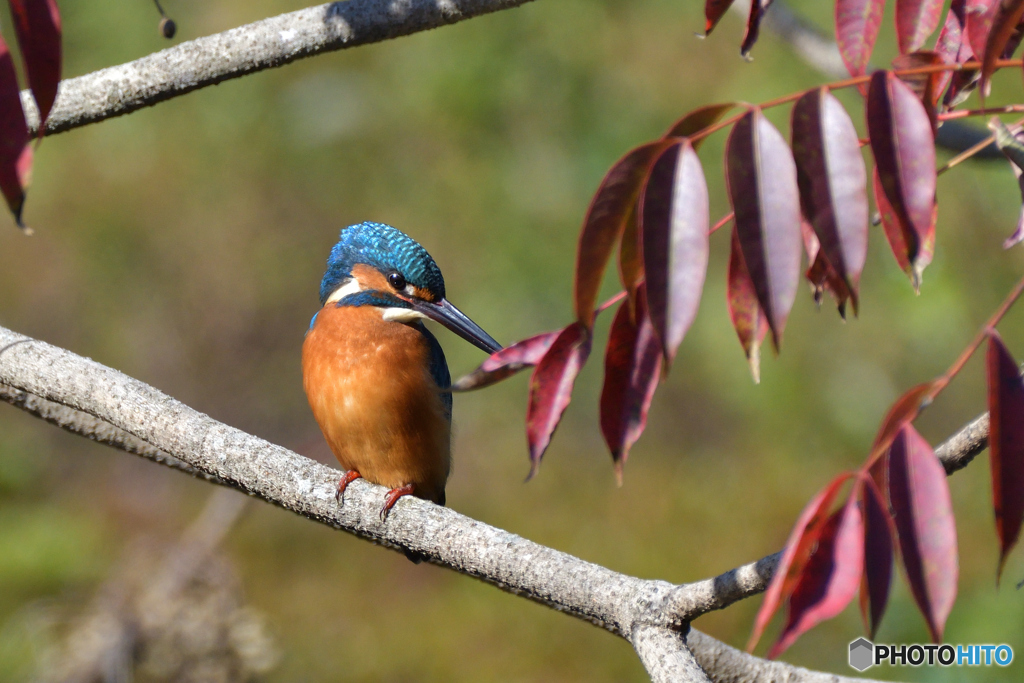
{"type": "Point", "coordinates": [507, 362]}
{"type": "Point", "coordinates": [15, 152]}
{"type": "Point", "coordinates": [952, 47]}
{"type": "Point", "coordinates": [674, 230]}
{"type": "Point", "coordinates": [822, 276]}
{"type": "Point", "coordinates": [829, 580]}
{"type": "Point", "coordinates": [37, 25]}
{"type": "Point", "coordinates": [979, 15]}
{"type": "Point", "coordinates": [632, 368]}
{"type": "Point", "coordinates": [904, 149]}
{"type": "Point", "coordinates": [631, 266]}
{"type": "Point", "coordinates": [894, 234]}
{"type": "Point", "coordinates": [699, 119]}
{"type": "Point", "coordinates": [857, 24]}
{"type": "Point", "coordinates": [551, 388]}
{"type": "Point", "coordinates": [606, 218]}
{"type": "Point", "coordinates": [925, 86]}
{"type": "Point", "coordinates": [801, 542]}
{"type": "Point", "coordinates": [761, 176]}
{"type": "Point", "coordinates": [915, 21]}
{"type": "Point", "coordinates": [1006, 443]}
{"type": "Point", "coordinates": [746, 315]}
{"type": "Point", "coordinates": [1007, 16]}
{"type": "Point", "coordinates": [757, 10]}
{"type": "Point", "coordinates": [878, 555]}
{"type": "Point", "coordinates": [833, 183]}
{"type": "Point", "coordinates": [903, 411]}
{"type": "Point", "coordinates": [919, 496]}
{"type": "Point", "coordinates": [714, 10]}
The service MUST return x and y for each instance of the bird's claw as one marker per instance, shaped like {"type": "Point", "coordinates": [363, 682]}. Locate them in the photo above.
{"type": "Point", "coordinates": [350, 476]}
{"type": "Point", "coordinates": [392, 498]}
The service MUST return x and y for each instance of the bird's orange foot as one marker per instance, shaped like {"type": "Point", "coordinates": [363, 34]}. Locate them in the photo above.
{"type": "Point", "coordinates": [392, 498]}
{"type": "Point", "coordinates": [349, 477]}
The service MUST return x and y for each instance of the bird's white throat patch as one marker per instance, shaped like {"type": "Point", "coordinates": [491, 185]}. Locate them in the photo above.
{"type": "Point", "coordinates": [394, 314]}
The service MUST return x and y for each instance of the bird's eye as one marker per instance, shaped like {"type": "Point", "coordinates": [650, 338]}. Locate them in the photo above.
{"type": "Point", "coordinates": [397, 281]}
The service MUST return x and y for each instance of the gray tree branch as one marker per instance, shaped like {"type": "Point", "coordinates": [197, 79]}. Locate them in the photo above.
{"type": "Point", "coordinates": [92, 400]}
{"type": "Point", "coordinates": [244, 50]}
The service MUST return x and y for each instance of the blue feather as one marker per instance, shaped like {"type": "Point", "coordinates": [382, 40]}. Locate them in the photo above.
{"type": "Point", "coordinates": [439, 370]}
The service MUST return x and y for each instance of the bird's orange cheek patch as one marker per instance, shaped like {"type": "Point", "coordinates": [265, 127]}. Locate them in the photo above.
{"type": "Point", "coordinates": [370, 278]}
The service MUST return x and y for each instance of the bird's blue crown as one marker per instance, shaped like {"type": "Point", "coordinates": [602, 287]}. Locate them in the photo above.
{"type": "Point", "coordinates": [385, 248]}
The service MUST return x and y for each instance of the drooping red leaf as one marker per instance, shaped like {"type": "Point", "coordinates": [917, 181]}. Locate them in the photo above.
{"type": "Point", "coordinates": [697, 120]}
{"type": "Point", "coordinates": [551, 388]}
{"type": "Point", "coordinates": [857, 24]}
{"type": "Point", "coordinates": [631, 266]}
{"type": "Point", "coordinates": [1007, 16]}
{"type": "Point", "coordinates": [903, 411]}
{"type": "Point", "coordinates": [761, 176]}
{"type": "Point", "coordinates": [904, 150]}
{"type": "Point", "coordinates": [757, 10]}
{"type": "Point", "coordinates": [507, 362]}
{"type": "Point", "coordinates": [714, 10]}
{"type": "Point", "coordinates": [952, 47]}
{"type": "Point", "coordinates": [674, 232]}
{"type": "Point", "coordinates": [893, 229]}
{"type": "Point", "coordinates": [915, 21]}
{"type": "Point", "coordinates": [830, 578]}
{"type": "Point", "coordinates": [746, 315]}
{"type": "Point", "coordinates": [923, 512]}
{"type": "Point", "coordinates": [978, 17]}
{"type": "Point", "coordinates": [606, 218]}
{"type": "Point", "coordinates": [37, 25]}
{"type": "Point", "coordinates": [878, 555]}
{"type": "Point", "coordinates": [1006, 443]}
{"type": "Point", "coordinates": [833, 183]}
{"type": "Point", "coordinates": [15, 151]}
{"type": "Point", "coordinates": [632, 369]}
{"type": "Point", "coordinates": [808, 529]}
{"type": "Point", "coordinates": [822, 276]}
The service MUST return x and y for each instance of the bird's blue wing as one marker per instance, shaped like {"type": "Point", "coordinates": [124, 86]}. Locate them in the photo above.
{"type": "Point", "coordinates": [439, 371]}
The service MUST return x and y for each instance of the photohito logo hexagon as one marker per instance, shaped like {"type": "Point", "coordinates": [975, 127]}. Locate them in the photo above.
{"type": "Point", "coordinates": [862, 654]}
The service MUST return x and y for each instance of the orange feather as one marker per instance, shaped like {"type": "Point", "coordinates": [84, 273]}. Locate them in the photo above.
{"type": "Point", "coordinates": [368, 382]}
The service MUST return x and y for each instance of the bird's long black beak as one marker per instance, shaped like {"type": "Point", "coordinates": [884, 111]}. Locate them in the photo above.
{"type": "Point", "coordinates": [458, 322]}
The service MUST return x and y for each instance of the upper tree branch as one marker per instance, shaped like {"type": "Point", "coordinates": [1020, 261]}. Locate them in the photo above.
{"type": "Point", "coordinates": [244, 50]}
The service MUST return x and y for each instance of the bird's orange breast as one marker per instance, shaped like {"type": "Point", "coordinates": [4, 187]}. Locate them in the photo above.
{"type": "Point", "coordinates": [369, 384]}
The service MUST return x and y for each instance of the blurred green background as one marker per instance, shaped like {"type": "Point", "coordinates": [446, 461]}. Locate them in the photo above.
{"type": "Point", "coordinates": [184, 244]}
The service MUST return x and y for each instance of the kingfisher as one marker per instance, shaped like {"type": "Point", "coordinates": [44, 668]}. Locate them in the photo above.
{"type": "Point", "coordinates": [376, 378]}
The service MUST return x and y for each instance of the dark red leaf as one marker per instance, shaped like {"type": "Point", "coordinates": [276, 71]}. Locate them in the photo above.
{"type": "Point", "coordinates": [674, 232]}
{"type": "Point", "coordinates": [1006, 443]}
{"type": "Point", "coordinates": [830, 578]}
{"type": "Point", "coordinates": [697, 120]}
{"type": "Point", "coordinates": [952, 47]}
{"type": "Point", "coordinates": [37, 25]}
{"type": "Point", "coordinates": [978, 16]}
{"type": "Point", "coordinates": [1007, 16]}
{"type": "Point", "coordinates": [631, 266]}
{"type": "Point", "coordinates": [551, 388]}
{"type": "Point", "coordinates": [833, 183]}
{"type": "Point", "coordinates": [714, 10]}
{"type": "Point", "coordinates": [903, 411]}
{"type": "Point", "coordinates": [801, 542]}
{"type": "Point", "coordinates": [915, 21]}
{"type": "Point", "coordinates": [632, 369]}
{"type": "Point", "coordinates": [822, 276]}
{"type": "Point", "coordinates": [746, 315]}
{"type": "Point", "coordinates": [878, 555]}
{"type": "Point", "coordinates": [857, 24]}
{"type": "Point", "coordinates": [606, 218]}
{"type": "Point", "coordinates": [894, 234]}
{"type": "Point", "coordinates": [925, 86]}
{"type": "Point", "coordinates": [923, 512]}
{"type": "Point", "coordinates": [15, 151]}
{"type": "Point", "coordinates": [507, 362]}
{"type": "Point", "coordinates": [761, 176]}
{"type": "Point", "coordinates": [904, 149]}
{"type": "Point", "coordinates": [757, 10]}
